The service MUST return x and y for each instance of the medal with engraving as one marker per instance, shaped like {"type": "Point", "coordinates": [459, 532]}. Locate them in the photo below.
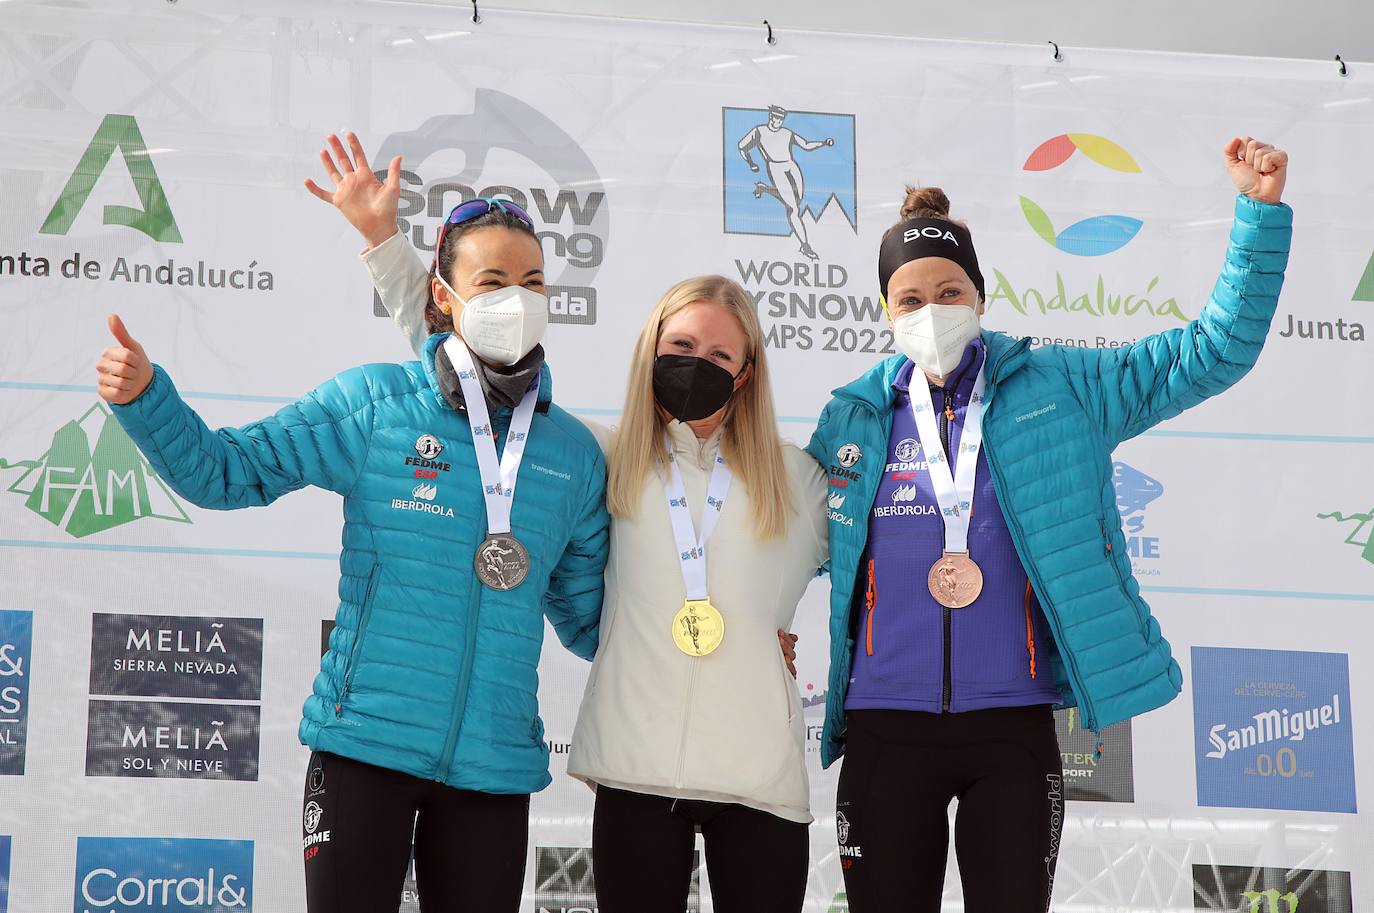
{"type": "Point", "coordinates": [501, 562]}
{"type": "Point", "coordinates": [955, 580]}
{"type": "Point", "coordinates": [698, 627]}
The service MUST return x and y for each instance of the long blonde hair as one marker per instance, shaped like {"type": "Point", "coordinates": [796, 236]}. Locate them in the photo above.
{"type": "Point", "coordinates": [749, 440]}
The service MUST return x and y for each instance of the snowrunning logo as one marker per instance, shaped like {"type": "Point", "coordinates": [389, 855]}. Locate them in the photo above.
{"type": "Point", "coordinates": [571, 215]}
{"type": "Point", "coordinates": [92, 478]}
{"type": "Point", "coordinates": [1361, 534]}
{"type": "Point", "coordinates": [1091, 237]}
{"type": "Point", "coordinates": [1241, 889]}
{"type": "Point", "coordinates": [117, 132]}
{"type": "Point", "coordinates": [16, 649]}
{"type": "Point", "coordinates": [1273, 729]}
{"type": "Point", "coordinates": [163, 875]}
{"type": "Point", "coordinates": [785, 168]}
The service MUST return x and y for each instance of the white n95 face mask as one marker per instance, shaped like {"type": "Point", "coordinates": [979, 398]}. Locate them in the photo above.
{"type": "Point", "coordinates": [504, 325]}
{"type": "Point", "coordinates": [936, 336]}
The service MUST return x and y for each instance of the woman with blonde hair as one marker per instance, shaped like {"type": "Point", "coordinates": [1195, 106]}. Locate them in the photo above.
{"type": "Point", "coordinates": [690, 719]}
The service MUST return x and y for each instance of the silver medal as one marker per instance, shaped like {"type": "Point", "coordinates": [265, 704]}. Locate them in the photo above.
{"type": "Point", "coordinates": [502, 562]}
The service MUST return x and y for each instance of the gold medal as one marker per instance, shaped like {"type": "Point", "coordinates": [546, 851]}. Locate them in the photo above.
{"type": "Point", "coordinates": [698, 627]}
{"type": "Point", "coordinates": [955, 580]}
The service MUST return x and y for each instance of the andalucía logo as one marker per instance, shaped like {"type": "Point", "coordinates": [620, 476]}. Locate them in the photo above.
{"type": "Point", "coordinates": [92, 478]}
{"type": "Point", "coordinates": [572, 219]}
{"type": "Point", "coordinates": [1241, 889]}
{"type": "Point", "coordinates": [4, 874]}
{"type": "Point", "coordinates": [1090, 237]}
{"type": "Point", "coordinates": [1136, 491]}
{"type": "Point", "coordinates": [1273, 729]}
{"type": "Point", "coordinates": [16, 648]}
{"type": "Point", "coordinates": [116, 132]}
{"type": "Point", "coordinates": [163, 875]}
{"type": "Point", "coordinates": [1361, 535]}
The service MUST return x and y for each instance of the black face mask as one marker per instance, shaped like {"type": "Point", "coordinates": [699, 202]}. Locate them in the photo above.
{"type": "Point", "coordinates": [691, 388]}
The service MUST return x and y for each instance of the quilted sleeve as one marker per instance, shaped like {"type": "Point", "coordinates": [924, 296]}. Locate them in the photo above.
{"type": "Point", "coordinates": [320, 440]}
{"type": "Point", "coordinates": [402, 284]}
{"type": "Point", "coordinates": [573, 603]}
{"type": "Point", "coordinates": [1130, 389]}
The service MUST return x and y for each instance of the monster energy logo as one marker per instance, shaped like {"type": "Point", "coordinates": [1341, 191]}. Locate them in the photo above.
{"type": "Point", "coordinates": [1361, 536]}
{"type": "Point", "coordinates": [116, 131]}
{"type": "Point", "coordinates": [1273, 896]}
{"type": "Point", "coordinates": [93, 478]}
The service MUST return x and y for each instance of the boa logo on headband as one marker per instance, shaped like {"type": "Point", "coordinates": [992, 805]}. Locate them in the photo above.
{"type": "Point", "coordinates": [1090, 237]}
{"type": "Point", "coordinates": [929, 231]}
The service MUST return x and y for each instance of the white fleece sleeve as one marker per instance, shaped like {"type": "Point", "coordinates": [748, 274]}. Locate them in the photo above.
{"type": "Point", "coordinates": [402, 282]}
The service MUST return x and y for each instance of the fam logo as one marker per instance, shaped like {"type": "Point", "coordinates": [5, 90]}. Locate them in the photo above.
{"type": "Point", "coordinates": [174, 659]}
{"type": "Point", "coordinates": [1090, 237]}
{"type": "Point", "coordinates": [1361, 535]}
{"type": "Point", "coordinates": [16, 649]}
{"type": "Point", "coordinates": [1087, 777]}
{"type": "Point", "coordinates": [1135, 491]}
{"type": "Point", "coordinates": [163, 875]}
{"type": "Point", "coordinates": [1241, 889]}
{"type": "Point", "coordinates": [117, 132]}
{"type": "Point", "coordinates": [564, 881]}
{"type": "Point", "coordinates": [92, 478]}
{"type": "Point", "coordinates": [445, 159]}
{"type": "Point", "coordinates": [1272, 729]}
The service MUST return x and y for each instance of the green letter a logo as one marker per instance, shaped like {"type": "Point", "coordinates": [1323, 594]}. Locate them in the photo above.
{"type": "Point", "coordinates": [1365, 290]}
{"type": "Point", "coordinates": [117, 131]}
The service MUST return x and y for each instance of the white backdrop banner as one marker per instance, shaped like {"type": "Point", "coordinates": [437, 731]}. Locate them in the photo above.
{"type": "Point", "coordinates": [154, 656]}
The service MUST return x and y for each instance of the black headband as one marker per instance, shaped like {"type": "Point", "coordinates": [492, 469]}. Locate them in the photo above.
{"type": "Point", "coordinates": [916, 239]}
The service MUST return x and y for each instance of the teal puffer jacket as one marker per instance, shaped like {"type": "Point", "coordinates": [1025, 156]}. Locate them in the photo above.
{"type": "Point", "coordinates": [428, 672]}
{"type": "Point", "coordinates": [1053, 416]}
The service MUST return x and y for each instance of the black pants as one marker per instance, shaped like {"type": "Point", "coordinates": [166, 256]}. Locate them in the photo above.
{"type": "Point", "coordinates": [901, 769]}
{"type": "Point", "coordinates": [643, 848]}
{"type": "Point", "coordinates": [357, 827]}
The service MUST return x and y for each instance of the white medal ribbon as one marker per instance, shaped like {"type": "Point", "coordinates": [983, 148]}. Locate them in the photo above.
{"type": "Point", "coordinates": [691, 549]}
{"type": "Point", "coordinates": [498, 483]}
{"type": "Point", "coordinates": [953, 491]}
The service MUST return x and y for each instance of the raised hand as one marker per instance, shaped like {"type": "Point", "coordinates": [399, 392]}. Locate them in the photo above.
{"type": "Point", "coordinates": [124, 371]}
{"type": "Point", "coordinates": [368, 204]}
{"type": "Point", "coordinates": [1257, 169]}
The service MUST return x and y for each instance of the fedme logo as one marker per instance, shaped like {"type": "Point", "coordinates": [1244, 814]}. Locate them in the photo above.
{"type": "Point", "coordinates": [1273, 729]}
{"type": "Point", "coordinates": [158, 875]}
{"type": "Point", "coordinates": [1135, 491]}
{"type": "Point", "coordinates": [16, 647]}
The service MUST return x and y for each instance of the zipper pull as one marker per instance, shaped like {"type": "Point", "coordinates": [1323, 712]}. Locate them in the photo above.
{"type": "Point", "coordinates": [1099, 749]}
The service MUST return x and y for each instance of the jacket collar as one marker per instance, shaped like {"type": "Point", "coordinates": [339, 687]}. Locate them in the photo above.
{"type": "Point", "coordinates": [427, 360]}
{"type": "Point", "coordinates": [874, 388]}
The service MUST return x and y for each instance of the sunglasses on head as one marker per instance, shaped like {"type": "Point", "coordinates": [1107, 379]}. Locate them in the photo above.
{"type": "Point", "coordinates": [474, 209]}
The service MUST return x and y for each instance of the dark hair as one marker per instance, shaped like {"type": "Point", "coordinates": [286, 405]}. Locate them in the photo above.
{"type": "Point", "coordinates": [435, 319]}
{"type": "Point", "coordinates": [923, 203]}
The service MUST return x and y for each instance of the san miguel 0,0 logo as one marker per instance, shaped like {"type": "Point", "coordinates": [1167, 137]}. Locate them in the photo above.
{"type": "Point", "coordinates": [445, 160]}
{"type": "Point", "coordinates": [789, 182]}
{"type": "Point", "coordinates": [163, 875]}
{"type": "Point", "coordinates": [1273, 729]}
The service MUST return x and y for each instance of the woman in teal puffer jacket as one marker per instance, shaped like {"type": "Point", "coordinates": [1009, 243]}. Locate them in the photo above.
{"type": "Point", "coordinates": [973, 449]}
{"type": "Point", "coordinates": [423, 717]}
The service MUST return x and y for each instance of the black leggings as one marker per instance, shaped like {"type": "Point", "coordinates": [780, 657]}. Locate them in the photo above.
{"type": "Point", "coordinates": [643, 848]}
{"type": "Point", "coordinates": [357, 826]}
{"type": "Point", "coordinates": [902, 768]}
